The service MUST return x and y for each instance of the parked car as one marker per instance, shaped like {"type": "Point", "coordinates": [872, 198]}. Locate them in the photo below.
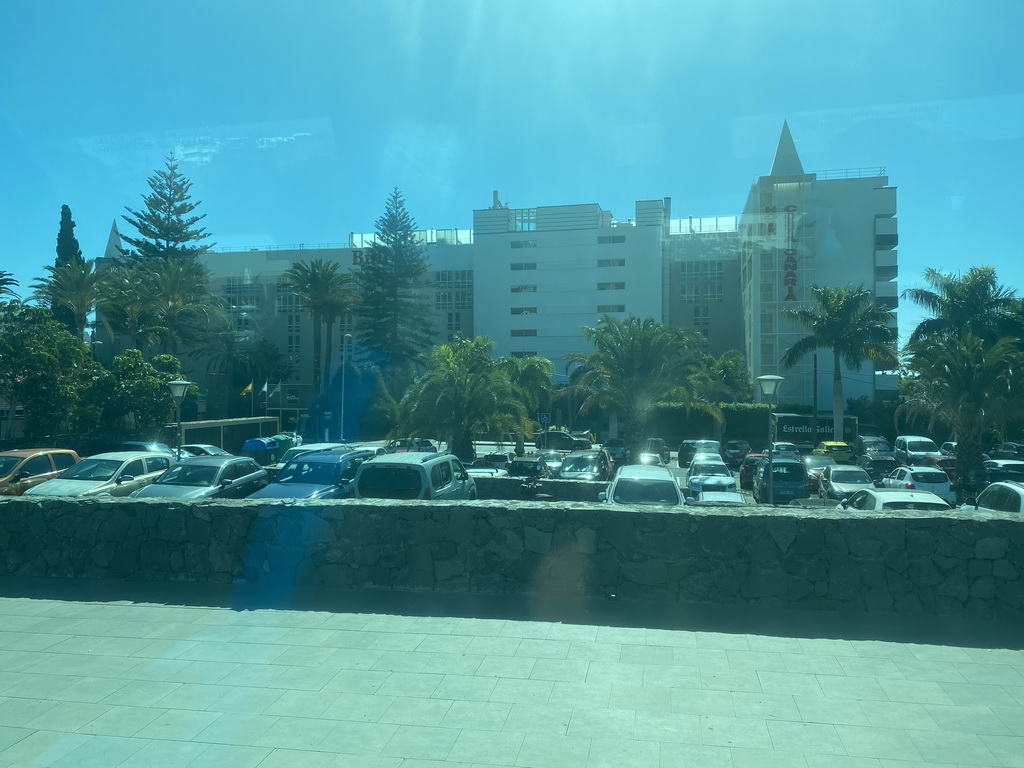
{"type": "Point", "coordinates": [749, 467]}
{"type": "Point", "coordinates": [923, 479]}
{"type": "Point", "coordinates": [893, 500]}
{"type": "Point", "coordinates": [410, 445]}
{"type": "Point", "coordinates": [841, 452]}
{"type": "Point", "coordinates": [910, 449]}
{"type": "Point", "coordinates": [316, 475]}
{"type": "Point", "coordinates": [553, 459]}
{"type": "Point", "coordinates": [28, 467]}
{"type": "Point", "coordinates": [207, 477]}
{"type": "Point", "coordinates": [719, 499]}
{"type": "Point", "coordinates": [996, 470]}
{"type": "Point", "coordinates": [495, 460]}
{"type": "Point", "coordinates": [784, 451]}
{"type": "Point", "coordinates": [877, 465]}
{"type": "Point", "coordinates": [644, 484]}
{"type": "Point", "coordinates": [707, 474]}
{"type": "Point", "coordinates": [585, 465]}
{"type": "Point", "coordinates": [946, 463]}
{"type": "Point", "coordinates": [734, 452]}
{"type": "Point", "coordinates": [561, 441]}
{"type": "Point", "coordinates": [1003, 496]}
{"type": "Point", "coordinates": [690, 448]}
{"type": "Point", "coordinates": [948, 448]}
{"type": "Point", "coordinates": [531, 467]}
{"type": "Point", "coordinates": [789, 481]}
{"type": "Point", "coordinates": [842, 481]}
{"type": "Point", "coordinates": [136, 446]}
{"type": "Point", "coordinates": [815, 466]}
{"type": "Point", "coordinates": [868, 444]}
{"type": "Point", "coordinates": [118, 473]}
{"type": "Point", "coordinates": [616, 448]}
{"type": "Point", "coordinates": [199, 449]}
{"type": "Point", "coordinates": [652, 459]}
{"type": "Point", "coordinates": [299, 450]}
{"type": "Point", "coordinates": [438, 476]}
{"type": "Point", "coordinates": [658, 446]}
{"type": "Point", "coordinates": [1007, 451]}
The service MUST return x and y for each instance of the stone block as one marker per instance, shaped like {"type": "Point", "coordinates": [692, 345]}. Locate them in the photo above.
{"type": "Point", "coordinates": [115, 527]}
{"type": "Point", "coordinates": [586, 540]}
{"type": "Point", "coordinates": [844, 579]}
{"type": "Point", "coordinates": [447, 569]}
{"type": "Point", "coordinates": [909, 603]}
{"type": "Point", "coordinates": [984, 587]}
{"type": "Point", "coordinates": [171, 524]}
{"type": "Point", "coordinates": [835, 543]}
{"type": "Point", "coordinates": [897, 583]}
{"type": "Point", "coordinates": [924, 573]}
{"type": "Point", "coordinates": [872, 573]}
{"type": "Point", "coordinates": [951, 547]}
{"type": "Point", "coordinates": [978, 608]}
{"type": "Point", "coordinates": [1003, 569]}
{"type": "Point", "coordinates": [763, 582]}
{"type": "Point", "coordinates": [955, 586]}
{"type": "Point", "coordinates": [979, 568]}
{"type": "Point", "coordinates": [197, 530]}
{"type": "Point", "coordinates": [990, 548]}
{"type": "Point", "coordinates": [919, 543]}
{"type": "Point", "coordinates": [1011, 593]}
{"type": "Point", "coordinates": [221, 558]}
{"type": "Point", "coordinates": [154, 556]}
{"type": "Point", "coordinates": [645, 572]}
{"type": "Point", "coordinates": [782, 530]}
{"type": "Point", "coordinates": [878, 600]}
{"type": "Point", "coordinates": [506, 544]}
{"type": "Point", "coordinates": [536, 540]}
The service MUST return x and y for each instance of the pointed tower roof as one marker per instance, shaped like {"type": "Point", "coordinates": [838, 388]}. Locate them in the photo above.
{"type": "Point", "coordinates": [112, 250]}
{"type": "Point", "coordinates": [787, 161]}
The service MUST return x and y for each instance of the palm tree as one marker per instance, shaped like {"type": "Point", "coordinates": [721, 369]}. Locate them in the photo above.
{"type": "Point", "coordinates": [974, 301]}
{"type": "Point", "coordinates": [73, 284]}
{"type": "Point", "coordinates": [325, 295]}
{"type": "Point", "coordinates": [638, 365]}
{"type": "Point", "coordinates": [849, 322]}
{"type": "Point", "coordinates": [183, 303]}
{"type": "Point", "coordinates": [725, 378]}
{"type": "Point", "coordinates": [531, 379]}
{"type": "Point", "coordinates": [234, 358]}
{"type": "Point", "coordinates": [7, 285]}
{"type": "Point", "coordinates": [462, 392]}
{"type": "Point", "coordinates": [965, 384]}
{"type": "Point", "coordinates": [125, 301]}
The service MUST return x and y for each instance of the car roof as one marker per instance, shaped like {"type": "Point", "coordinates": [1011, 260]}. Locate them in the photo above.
{"type": "Point", "coordinates": [33, 451]}
{"type": "Point", "coordinates": [418, 457]}
{"type": "Point", "coordinates": [214, 461]}
{"type": "Point", "coordinates": [911, 494]}
{"type": "Point", "coordinates": [645, 472]}
{"type": "Point", "coordinates": [922, 468]}
{"type": "Point", "coordinates": [127, 455]}
{"type": "Point", "coordinates": [328, 458]}
{"type": "Point", "coordinates": [800, 463]}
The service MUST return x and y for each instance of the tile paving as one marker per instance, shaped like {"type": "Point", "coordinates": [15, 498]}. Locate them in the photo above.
{"type": "Point", "coordinates": [392, 681]}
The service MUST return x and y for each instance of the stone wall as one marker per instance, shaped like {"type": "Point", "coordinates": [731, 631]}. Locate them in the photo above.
{"type": "Point", "coordinates": [954, 563]}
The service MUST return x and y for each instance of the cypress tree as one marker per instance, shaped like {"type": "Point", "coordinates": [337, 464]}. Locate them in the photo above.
{"type": "Point", "coordinates": [68, 253]}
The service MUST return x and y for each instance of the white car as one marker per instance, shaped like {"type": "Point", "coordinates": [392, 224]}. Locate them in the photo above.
{"type": "Point", "coordinates": [709, 473]}
{"type": "Point", "coordinates": [785, 451]}
{"type": "Point", "coordinates": [106, 474]}
{"type": "Point", "coordinates": [893, 499]}
{"type": "Point", "coordinates": [1005, 496]}
{"type": "Point", "coordinates": [644, 484]}
{"type": "Point", "coordinates": [922, 479]}
{"type": "Point", "coordinates": [414, 475]}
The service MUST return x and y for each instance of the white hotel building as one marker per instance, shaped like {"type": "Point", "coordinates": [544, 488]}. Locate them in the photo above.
{"type": "Point", "coordinates": [530, 278]}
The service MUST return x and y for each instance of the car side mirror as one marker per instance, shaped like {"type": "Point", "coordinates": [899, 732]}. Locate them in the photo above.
{"type": "Point", "coordinates": [971, 501]}
{"type": "Point", "coordinates": [23, 475]}
{"type": "Point", "coordinates": [845, 503]}
{"type": "Point", "coordinates": [124, 479]}
{"type": "Point", "coordinates": [602, 496]}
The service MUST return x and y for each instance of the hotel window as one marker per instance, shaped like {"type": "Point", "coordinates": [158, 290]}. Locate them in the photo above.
{"type": "Point", "coordinates": [287, 302]}
{"type": "Point", "coordinates": [702, 319]}
{"type": "Point", "coordinates": [611, 262]}
{"type": "Point", "coordinates": [607, 239]}
{"type": "Point", "coordinates": [611, 286]}
{"type": "Point", "coordinates": [768, 353]}
{"type": "Point", "coordinates": [524, 331]}
{"type": "Point", "coordinates": [607, 309]}
{"type": "Point", "coordinates": [454, 289]}
{"type": "Point", "coordinates": [524, 310]}
{"type": "Point", "coordinates": [294, 323]}
{"type": "Point", "coordinates": [767, 322]}
{"type": "Point", "coordinates": [454, 324]}
{"type": "Point", "coordinates": [768, 260]}
{"type": "Point", "coordinates": [524, 289]}
{"type": "Point", "coordinates": [523, 243]}
{"type": "Point", "coordinates": [767, 292]}
{"type": "Point", "coordinates": [523, 265]}
{"type": "Point", "coordinates": [525, 219]}
{"type": "Point", "coordinates": [714, 293]}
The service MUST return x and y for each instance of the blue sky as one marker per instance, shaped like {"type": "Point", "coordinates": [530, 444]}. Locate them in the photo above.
{"type": "Point", "coordinates": [295, 120]}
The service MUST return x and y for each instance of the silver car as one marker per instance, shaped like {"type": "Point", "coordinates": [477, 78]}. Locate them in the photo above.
{"type": "Point", "coordinates": [107, 474]}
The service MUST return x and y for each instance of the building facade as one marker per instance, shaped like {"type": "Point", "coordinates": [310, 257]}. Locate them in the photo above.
{"type": "Point", "coordinates": [531, 278]}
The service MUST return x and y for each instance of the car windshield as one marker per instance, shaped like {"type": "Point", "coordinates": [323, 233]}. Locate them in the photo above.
{"type": "Point", "coordinates": [786, 447]}
{"type": "Point", "coordinates": [524, 468]}
{"type": "Point", "coordinates": [789, 472]}
{"type": "Point", "coordinates": [923, 506]}
{"type": "Point", "coordinates": [389, 482]}
{"type": "Point", "coordinates": [92, 469]}
{"type": "Point", "coordinates": [922, 446]}
{"type": "Point", "coordinates": [711, 469]}
{"type": "Point", "coordinates": [580, 464]}
{"type": "Point", "coordinates": [930, 477]}
{"type": "Point", "coordinates": [633, 491]}
{"type": "Point", "coordinates": [851, 476]}
{"type": "Point", "coordinates": [307, 473]}
{"type": "Point", "coordinates": [817, 462]}
{"type": "Point", "coordinates": [185, 474]}
{"type": "Point", "coordinates": [877, 446]}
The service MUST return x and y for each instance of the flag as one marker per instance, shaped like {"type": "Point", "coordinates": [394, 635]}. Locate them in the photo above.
{"type": "Point", "coordinates": [277, 388]}
{"type": "Point", "coordinates": [264, 390]}
{"type": "Point", "coordinates": [247, 390]}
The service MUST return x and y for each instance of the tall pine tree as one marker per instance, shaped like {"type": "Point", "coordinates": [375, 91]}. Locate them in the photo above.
{"type": "Point", "coordinates": [394, 310]}
{"type": "Point", "coordinates": [68, 253]}
{"type": "Point", "coordinates": [167, 227]}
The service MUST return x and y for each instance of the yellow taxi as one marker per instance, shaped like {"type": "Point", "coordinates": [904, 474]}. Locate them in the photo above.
{"type": "Point", "coordinates": [841, 452]}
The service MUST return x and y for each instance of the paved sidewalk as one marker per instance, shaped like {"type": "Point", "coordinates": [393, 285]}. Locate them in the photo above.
{"type": "Point", "coordinates": [86, 681]}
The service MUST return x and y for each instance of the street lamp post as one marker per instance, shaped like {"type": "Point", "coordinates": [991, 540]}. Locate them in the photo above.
{"type": "Point", "coordinates": [344, 367]}
{"type": "Point", "coordinates": [769, 385]}
{"type": "Point", "coordinates": [178, 389]}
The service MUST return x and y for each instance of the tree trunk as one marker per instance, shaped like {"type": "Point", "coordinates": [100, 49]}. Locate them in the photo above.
{"type": "Point", "coordinates": [837, 399]}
